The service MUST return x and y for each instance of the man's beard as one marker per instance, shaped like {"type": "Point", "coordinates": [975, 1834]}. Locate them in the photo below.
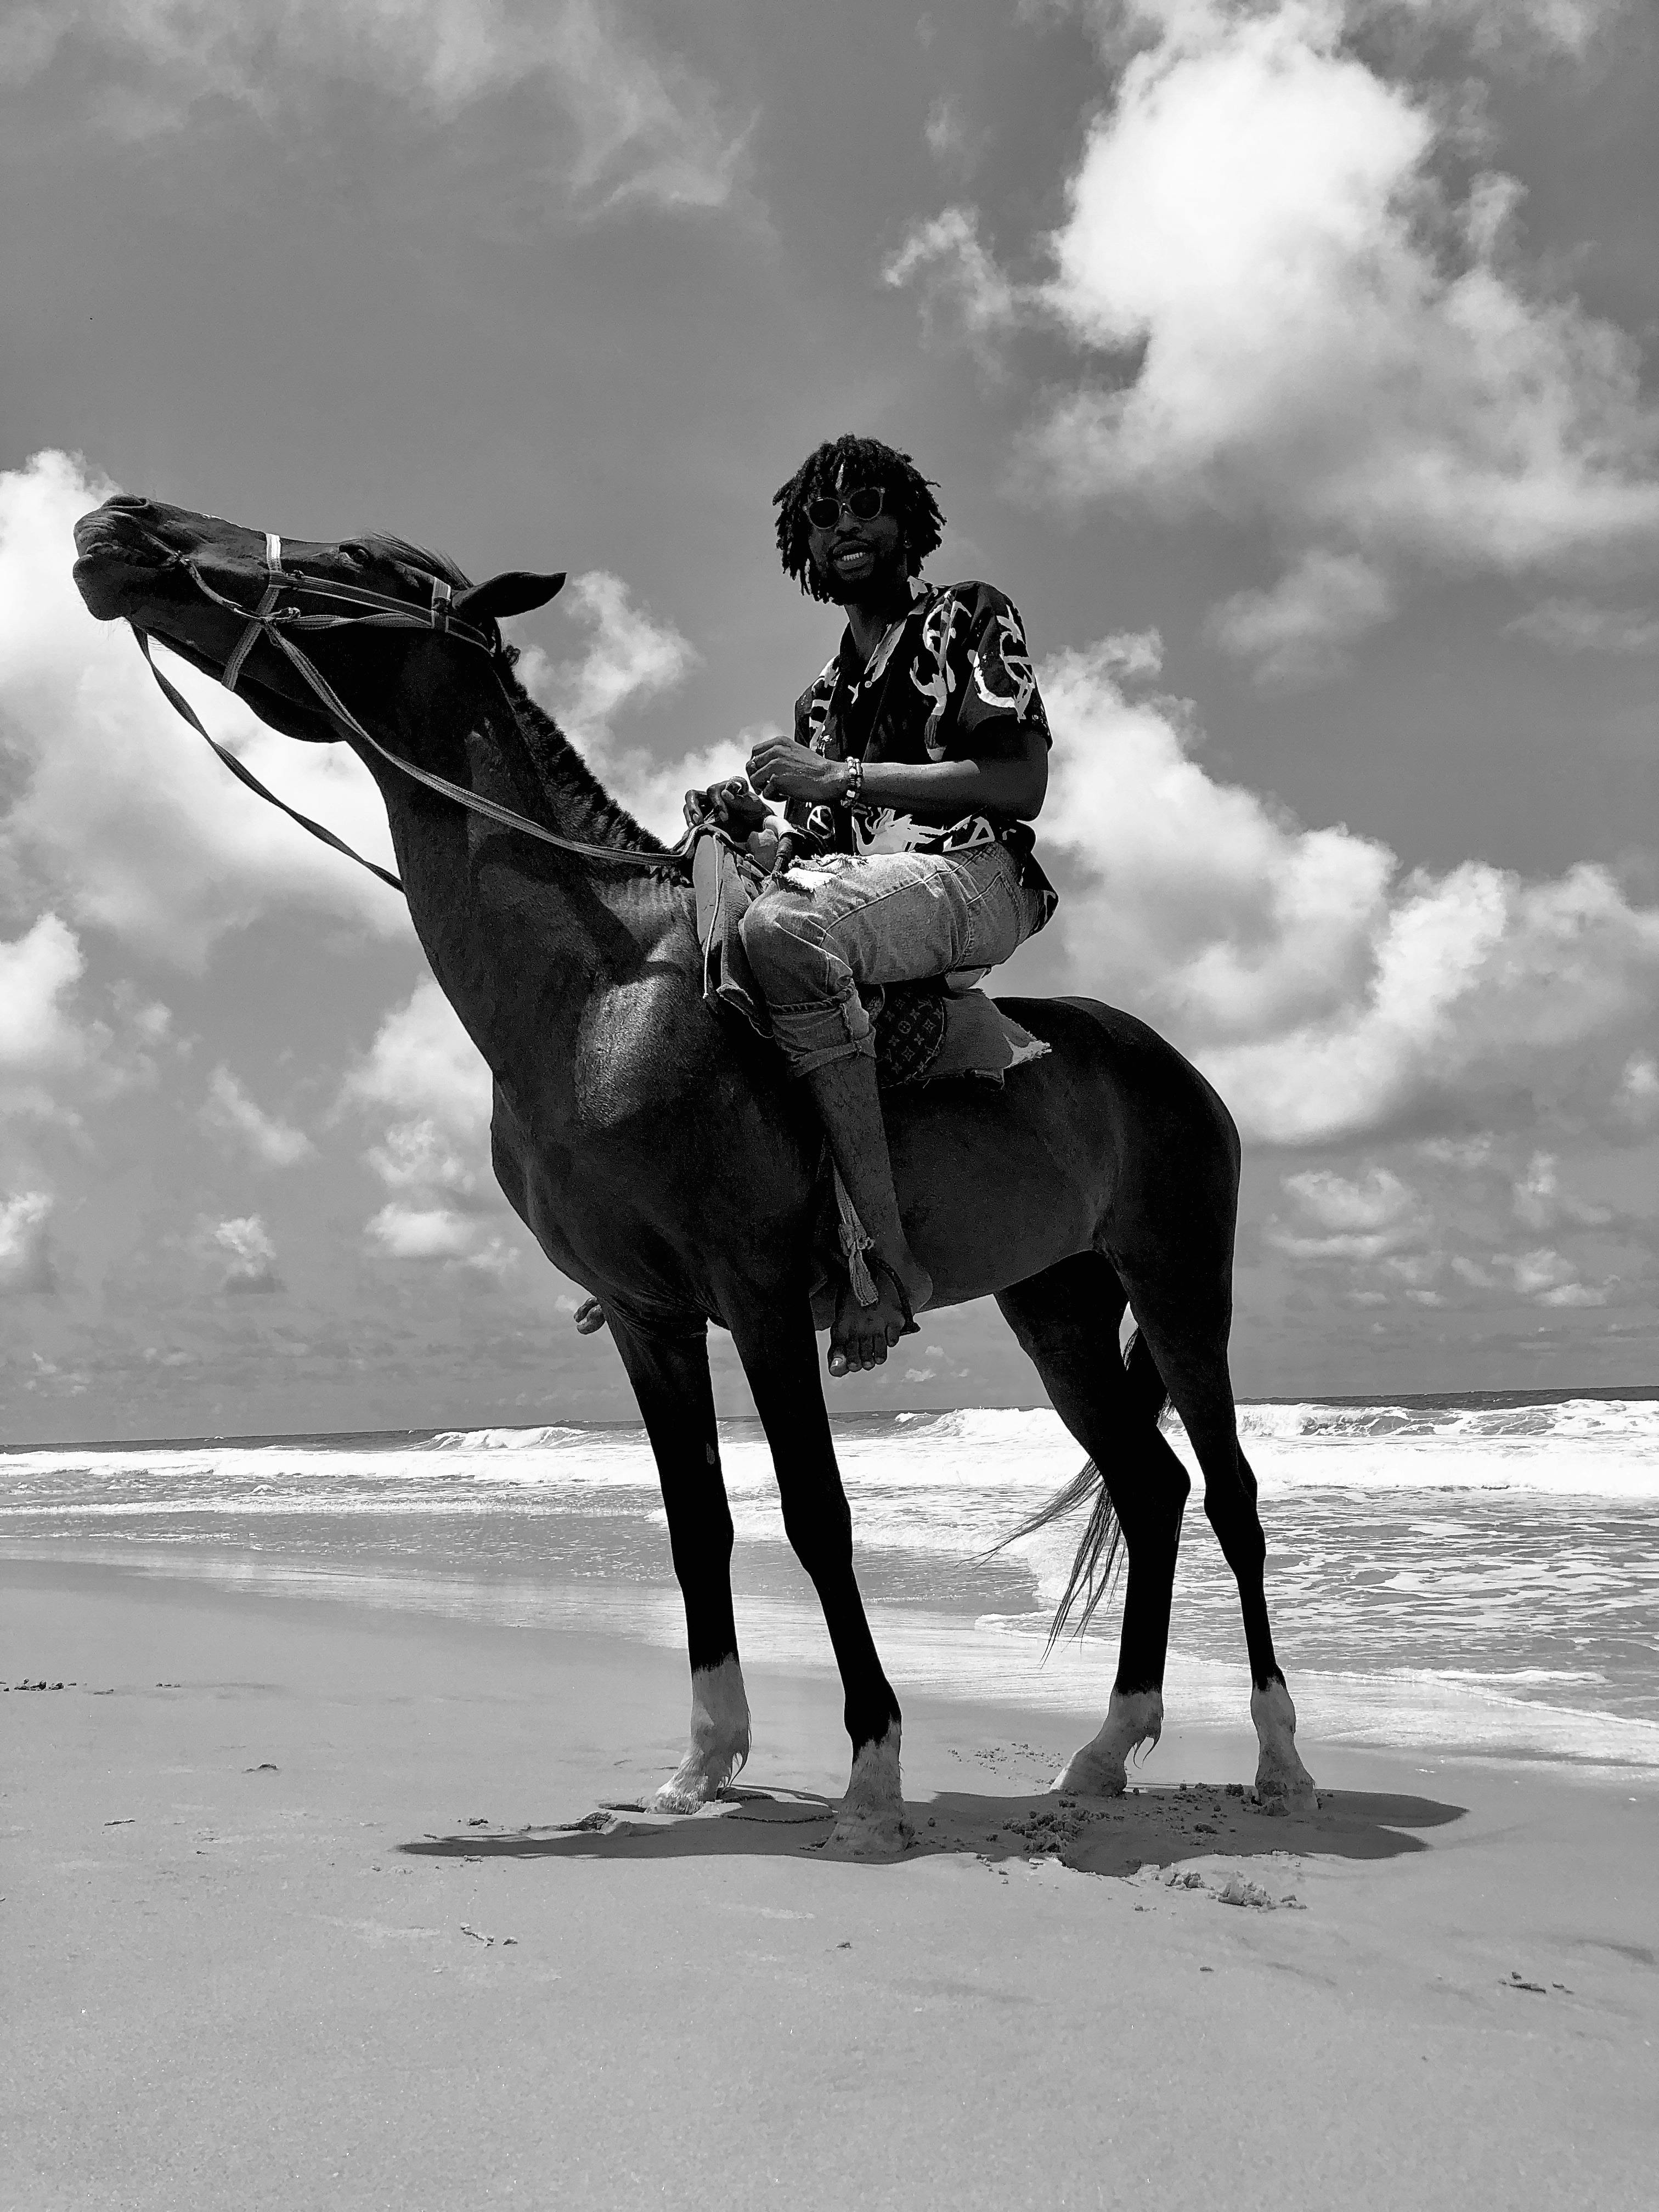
{"type": "Point", "coordinates": [888, 579]}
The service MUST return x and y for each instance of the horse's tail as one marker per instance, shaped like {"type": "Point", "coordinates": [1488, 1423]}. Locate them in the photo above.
{"type": "Point", "coordinates": [1100, 1550]}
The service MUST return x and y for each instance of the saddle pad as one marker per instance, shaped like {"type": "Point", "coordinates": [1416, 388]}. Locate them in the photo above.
{"type": "Point", "coordinates": [910, 1025]}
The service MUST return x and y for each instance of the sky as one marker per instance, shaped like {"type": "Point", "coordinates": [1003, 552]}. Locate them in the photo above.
{"type": "Point", "coordinates": [1289, 363]}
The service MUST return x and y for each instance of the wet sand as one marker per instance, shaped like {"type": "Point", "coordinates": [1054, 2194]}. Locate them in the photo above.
{"type": "Point", "coordinates": [297, 1913]}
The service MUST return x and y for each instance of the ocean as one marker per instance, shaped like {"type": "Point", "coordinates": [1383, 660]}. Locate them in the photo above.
{"type": "Point", "coordinates": [1475, 1576]}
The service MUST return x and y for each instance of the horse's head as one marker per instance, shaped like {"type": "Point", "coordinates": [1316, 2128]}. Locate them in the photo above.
{"type": "Point", "coordinates": [225, 598]}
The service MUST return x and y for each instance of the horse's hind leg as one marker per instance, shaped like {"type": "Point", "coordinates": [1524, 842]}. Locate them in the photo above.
{"type": "Point", "coordinates": [1186, 1331]}
{"type": "Point", "coordinates": [1066, 1320]}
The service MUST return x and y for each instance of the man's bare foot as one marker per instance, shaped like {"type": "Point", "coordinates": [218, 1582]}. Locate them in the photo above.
{"type": "Point", "coordinates": [862, 1336]}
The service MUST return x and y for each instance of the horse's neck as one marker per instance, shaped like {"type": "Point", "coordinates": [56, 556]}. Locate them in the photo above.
{"type": "Point", "coordinates": [520, 937]}
{"type": "Point", "coordinates": [572, 799]}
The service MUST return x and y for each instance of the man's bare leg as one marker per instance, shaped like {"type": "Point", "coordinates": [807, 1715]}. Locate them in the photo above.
{"type": "Point", "coordinates": [844, 1092]}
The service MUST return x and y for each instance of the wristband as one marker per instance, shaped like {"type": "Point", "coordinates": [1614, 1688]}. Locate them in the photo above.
{"type": "Point", "coordinates": [854, 790]}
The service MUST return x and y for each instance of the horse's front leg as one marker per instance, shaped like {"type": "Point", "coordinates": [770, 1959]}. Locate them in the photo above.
{"type": "Point", "coordinates": [776, 1342]}
{"type": "Point", "coordinates": [669, 1375]}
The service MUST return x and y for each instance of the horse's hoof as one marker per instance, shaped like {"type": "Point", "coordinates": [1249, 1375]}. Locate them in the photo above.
{"type": "Point", "coordinates": [1101, 1768]}
{"type": "Point", "coordinates": [719, 1740]}
{"type": "Point", "coordinates": [697, 1781]}
{"type": "Point", "coordinates": [865, 1836]}
{"type": "Point", "coordinates": [1092, 1773]}
{"type": "Point", "coordinates": [1279, 1794]}
{"type": "Point", "coordinates": [1283, 1784]}
{"type": "Point", "coordinates": [672, 1798]}
{"type": "Point", "coordinates": [1283, 1804]}
{"type": "Point", "coordinates": [870, 1820]}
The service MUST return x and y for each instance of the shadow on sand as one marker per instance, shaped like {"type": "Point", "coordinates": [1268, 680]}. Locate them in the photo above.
{"type": "Point", "coordinates": [1145, 1827]}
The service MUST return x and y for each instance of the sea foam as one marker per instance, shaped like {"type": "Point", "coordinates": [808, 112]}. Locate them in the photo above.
{"type": "Point", "coordinates": [1473, 1572]}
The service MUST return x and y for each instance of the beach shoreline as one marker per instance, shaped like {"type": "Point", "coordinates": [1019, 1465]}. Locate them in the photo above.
{"type": "Point", "coordinates": [295, 1915]}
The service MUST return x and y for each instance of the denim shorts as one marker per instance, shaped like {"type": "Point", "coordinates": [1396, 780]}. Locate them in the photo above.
{"type": "Point", "coordinates": [845, 920]}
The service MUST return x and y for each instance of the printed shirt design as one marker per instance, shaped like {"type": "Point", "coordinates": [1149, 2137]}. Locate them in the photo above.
{"type": "Point", "coordinates": [951, 680]}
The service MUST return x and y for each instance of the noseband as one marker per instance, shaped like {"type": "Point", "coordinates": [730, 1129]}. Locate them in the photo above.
{"type": "Point", "coordinates": [277, 620]}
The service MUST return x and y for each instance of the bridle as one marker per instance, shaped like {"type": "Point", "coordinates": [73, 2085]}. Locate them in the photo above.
{"type": "Point", "coordinates": [277, 617]}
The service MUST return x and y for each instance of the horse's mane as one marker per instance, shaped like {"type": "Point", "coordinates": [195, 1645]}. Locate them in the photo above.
{"type": "Point", "coordinates": [417, 556]}
{"type": "Point", "coordinates": [568, 780]}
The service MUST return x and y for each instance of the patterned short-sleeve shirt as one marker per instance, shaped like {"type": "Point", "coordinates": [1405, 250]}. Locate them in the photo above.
{"type": "Point", "coordinates": [951, 680]}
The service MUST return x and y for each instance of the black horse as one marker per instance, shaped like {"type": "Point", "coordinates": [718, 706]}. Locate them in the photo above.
{"type": "Point", "coordinates": [663, 1161]}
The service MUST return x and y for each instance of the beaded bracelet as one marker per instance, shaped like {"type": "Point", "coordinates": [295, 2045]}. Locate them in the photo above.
{"type": "Point", "coordinates": [854, 780]}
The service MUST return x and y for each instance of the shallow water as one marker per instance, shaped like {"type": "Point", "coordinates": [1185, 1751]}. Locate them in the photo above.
{"type": "Point", "coordinates": [1458, 1574]}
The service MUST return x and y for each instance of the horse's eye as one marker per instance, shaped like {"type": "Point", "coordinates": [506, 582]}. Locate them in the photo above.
{"type": "Point", "coordinates": [357, 555]}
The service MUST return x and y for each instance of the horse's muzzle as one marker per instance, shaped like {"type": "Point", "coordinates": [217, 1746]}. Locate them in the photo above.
{"type": "Point", "coordinates": [115, 562]}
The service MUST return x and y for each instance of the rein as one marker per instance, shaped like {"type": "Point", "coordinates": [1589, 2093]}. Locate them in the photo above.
{"type": "Point", "coordinates": [274, 620]}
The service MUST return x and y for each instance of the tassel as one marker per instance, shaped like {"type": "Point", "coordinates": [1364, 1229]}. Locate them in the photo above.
{"type": "Point", "coordinates": [855, 1241]}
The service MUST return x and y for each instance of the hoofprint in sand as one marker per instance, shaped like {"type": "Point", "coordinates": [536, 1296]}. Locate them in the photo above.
{"type": "Point", "coordinates": [308, 1904]}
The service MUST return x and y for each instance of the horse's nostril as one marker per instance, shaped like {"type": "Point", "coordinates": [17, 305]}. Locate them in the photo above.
{"type": "Point", "coordinates": [130, 503]}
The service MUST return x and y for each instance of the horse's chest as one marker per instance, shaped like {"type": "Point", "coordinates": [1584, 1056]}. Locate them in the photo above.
{"type": "Point", "coordinates": [641, 1155]}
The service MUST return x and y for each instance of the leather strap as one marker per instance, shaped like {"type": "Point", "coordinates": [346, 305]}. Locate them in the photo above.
{"type": "Point", "coordinates": [246, 775]}
{"type": "Point", "coordinates": [384, 613]}
{"type": "Point", "coordinates": [256, 621]}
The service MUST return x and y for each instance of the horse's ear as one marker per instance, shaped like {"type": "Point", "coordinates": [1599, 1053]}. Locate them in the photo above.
{"type": "Point", "coordinates": [512, 592]}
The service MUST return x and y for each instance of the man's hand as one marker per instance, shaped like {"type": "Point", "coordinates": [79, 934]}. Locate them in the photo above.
{"type": "Point", "coordinates": [731, 805]}
{"type": "Point", "coordinates": [780, 769]}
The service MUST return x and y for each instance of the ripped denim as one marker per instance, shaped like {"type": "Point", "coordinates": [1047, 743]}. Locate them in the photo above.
{"type": "Point", "coordinates": [842, 920]}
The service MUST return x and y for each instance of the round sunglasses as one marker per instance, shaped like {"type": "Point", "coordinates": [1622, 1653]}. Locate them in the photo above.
{"type": "Point", "coordinates": [864, 505]}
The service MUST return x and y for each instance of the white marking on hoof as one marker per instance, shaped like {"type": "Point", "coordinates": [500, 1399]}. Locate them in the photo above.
{"type": "Point", "coordinates": [719, 1740]}
{"type": "Point", "coordinates": [1101, 1769]}
{"type": "Point", "coordinates": [1283, 1784]}
{"type": "Point", "coordinates": [871, 1819]}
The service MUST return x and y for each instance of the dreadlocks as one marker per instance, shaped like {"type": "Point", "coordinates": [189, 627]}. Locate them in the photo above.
{"type": "Point", "coordinates": [864, 461]}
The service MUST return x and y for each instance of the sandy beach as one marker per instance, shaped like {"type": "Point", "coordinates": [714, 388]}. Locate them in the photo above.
{"type": "Point", "coordinates": [296, 1914]}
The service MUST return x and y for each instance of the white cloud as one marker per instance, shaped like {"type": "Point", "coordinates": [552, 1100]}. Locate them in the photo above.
{"type": "Point", "coordinates": [1375, 1217]}
{"type": "Point", "coordinates": [55, 1056]}
{"type": "Point", "coordinates": [233, 1113]}
{"type": "Point", "coordinates": [424, 1066]}
{"type": "Point", "coordinates": [1441, 1237]}
{"type": "Point", "coordinates": [1256, 210]}
{"type": "Point", "coordinates": [1578, 626]}
{"type": "Point", "coordinates": [421, 1156]}
{"type": "Point", "coordinates": [1292, 316]}
{"type": "Point", "coordinates": [434, 1152]}
{"type": "Point", "coordinates": [961, 284]}
{"type": "Point", "coordinates": [1636, 1101]}
{"type": "Point", "coordinates": [1574, 1294]}
{"type": "Point", "coordinates": [1523, 27]}
{"type": "Point", "coordinates": [1540, 1203]}
{"type": "Point", "coordinates": [944, 130]}
{"type": "Point", "coordinates": [1328, 992]}
{"type": "Point", "coordinates": [1551, 1278]}
{"type": "Point", "coordinates": [633, 121]}
{"type": "Point", "coordinates": [37, 973]}
{"type": "Point", "coordinates": [117, 813]}
{"type": "Point", "coordinates": [252, 1256]}
{"type": "Point", "coordinates": [26, 1261]}
{"type": "Point", "coordinates": [407, 1232]}
{"type": "Point", "coordinates": [1294, 632]}
{"type": "Point", "coordinates": [631, 659]}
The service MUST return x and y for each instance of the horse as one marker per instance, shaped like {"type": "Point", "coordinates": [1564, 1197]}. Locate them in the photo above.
{"type": "Point", "coordinates": [663, 1161]}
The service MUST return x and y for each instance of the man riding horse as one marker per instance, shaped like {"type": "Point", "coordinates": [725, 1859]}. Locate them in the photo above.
{"type": "Point", "coordinates": [663, 1170]}
{"type": "Point", "coordinates": [918, 758]}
